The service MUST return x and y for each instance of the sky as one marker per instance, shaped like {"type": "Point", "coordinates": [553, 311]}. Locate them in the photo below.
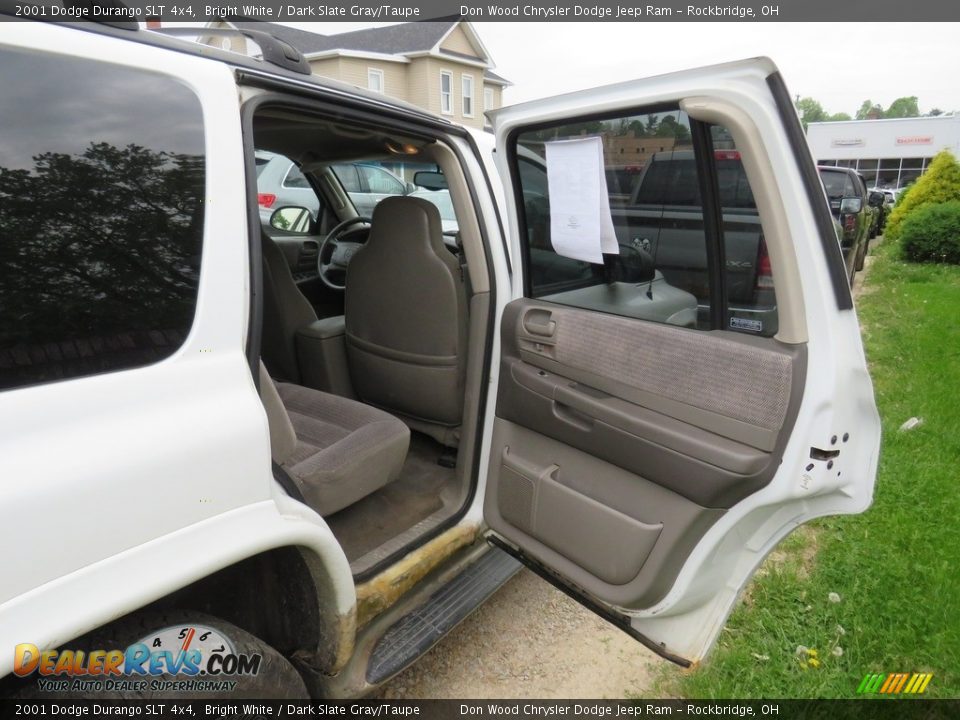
{"type": "Point", "coordinates": [839, 64]}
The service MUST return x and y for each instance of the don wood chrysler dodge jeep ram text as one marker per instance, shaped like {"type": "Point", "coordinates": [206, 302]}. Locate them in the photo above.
{"type": "Point", "coordinates": [307, 445]}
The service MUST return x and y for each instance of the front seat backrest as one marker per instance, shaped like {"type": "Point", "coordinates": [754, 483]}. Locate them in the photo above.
{"type": "Point", "coordinates": [285, 310]}
{"type": "Point", "coordinates": [406, 316]}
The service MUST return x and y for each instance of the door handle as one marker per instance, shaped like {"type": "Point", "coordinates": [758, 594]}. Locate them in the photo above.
{"type": "Point", "coordinates": [540, 324]}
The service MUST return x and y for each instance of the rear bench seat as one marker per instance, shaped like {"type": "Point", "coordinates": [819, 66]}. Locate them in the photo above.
{"type": "Point", "coordinates": [336, 450]}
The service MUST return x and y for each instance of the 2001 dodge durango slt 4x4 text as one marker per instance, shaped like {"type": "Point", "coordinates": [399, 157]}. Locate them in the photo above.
{"type": "Point", "coordinates": [296, 452]}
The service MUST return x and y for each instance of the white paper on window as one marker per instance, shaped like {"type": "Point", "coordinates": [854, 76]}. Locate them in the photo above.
{"type": "Point", "coordinates": [581, 226]}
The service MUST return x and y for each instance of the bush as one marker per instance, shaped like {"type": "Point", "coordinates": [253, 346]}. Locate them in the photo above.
{"type": "Point", "coordinates": [932, 234]}
{"type": "Point", "coordinates": [939, 184]}
{"type": "Point", "coordinates": [903, 195]}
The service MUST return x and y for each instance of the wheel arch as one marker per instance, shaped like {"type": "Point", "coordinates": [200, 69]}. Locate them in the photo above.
{"type": "Point", "coordinates": [275, 551]}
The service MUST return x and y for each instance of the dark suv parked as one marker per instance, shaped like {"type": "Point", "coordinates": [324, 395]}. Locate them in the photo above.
{"type": "Point", "coordinates": [847, 193]}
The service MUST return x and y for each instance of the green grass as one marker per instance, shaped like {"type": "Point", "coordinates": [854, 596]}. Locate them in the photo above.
{"type": "Point", "coordinates": [897, 567]}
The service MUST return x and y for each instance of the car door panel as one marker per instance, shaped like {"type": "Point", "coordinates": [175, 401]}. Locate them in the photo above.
{"type": "Point", "coordinates": [645, 468]}
{"type": "Point", "coordinates": [607, 530]}
{"type": "Point", "coordinates": [683, 451]}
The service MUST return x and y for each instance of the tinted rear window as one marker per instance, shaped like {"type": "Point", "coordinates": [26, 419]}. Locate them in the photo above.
{"type": "Point", "coordinates": [101, 216]}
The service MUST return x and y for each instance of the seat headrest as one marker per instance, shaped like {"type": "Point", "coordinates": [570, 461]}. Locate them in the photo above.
{"type": "Point", "coordinates": [403, 220]}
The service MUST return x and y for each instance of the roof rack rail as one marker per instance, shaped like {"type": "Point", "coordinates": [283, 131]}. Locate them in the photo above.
{"type": "Point", "coordinates": [275, 51]}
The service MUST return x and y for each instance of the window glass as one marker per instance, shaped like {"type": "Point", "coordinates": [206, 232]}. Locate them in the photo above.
{"type": "Point", "coordinates": [347, 175]}
{"type": "Point", "coordinates": [101, 217]}
{"type": "Point", "coordinates": [446, 101]}
{"type": "Point", "coordinates": [661, 272]}
{"type": "Point", "coordinates": [380, 181]}
{"type": "Point", "coordinates": [488, 98]}
{"type": "Point", "coordinates": [375, 80]}
{"type": "Point", "coordinates": [838, 184]}
{"type": "Point", "coordinates": [467, 97]}
{"type": "Point", "coordinates": [295, 178]}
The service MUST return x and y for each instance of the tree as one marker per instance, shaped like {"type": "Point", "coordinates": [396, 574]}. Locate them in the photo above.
{"type": "Point", "coordinates": [903, 107]}
{"type": "Point", "coordinates": [94, 238]}
{"type": "Point", "coordinates": [839, 116]}
{"type": "Point", "coordinates": [810, 111]}
{"type": "Point", "coordinates": [939, 184]}
{"type": "Point", "coordinates": [870, 110]}
{"type": "Point", "coordinates": [936, 112]}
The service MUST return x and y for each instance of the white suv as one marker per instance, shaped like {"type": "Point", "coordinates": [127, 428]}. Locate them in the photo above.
{"type": "Point", "coordinates": [297, 496]}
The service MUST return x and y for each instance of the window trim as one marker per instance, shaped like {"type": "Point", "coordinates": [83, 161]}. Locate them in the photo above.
{"type": "Point", "coordinates": [449, 109]}
{"type": "Point", "coordinates": [378, 73]}
{"type": "Point", "coordinates": [712, 211]}
{"type": "Point", "coordinates": [488, 91]}
{"type": "Point", "coordinates": [464, 78]}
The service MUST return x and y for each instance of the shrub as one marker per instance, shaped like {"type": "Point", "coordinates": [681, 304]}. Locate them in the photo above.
{"type": "Point", "coordinates": [940, 183]}
{"type": "Point", "coordinates": [903, 195]}
{"type": "Point", "coordinates": [932, 233]}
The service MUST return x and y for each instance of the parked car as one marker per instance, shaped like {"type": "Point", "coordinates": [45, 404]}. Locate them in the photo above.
{"type": "Point", "coordinates": [276, 501]}
{"type": "Point", "coordinates": [281, 183]}
{"type": "Point", "coordinates": [847, 194]}
{"type": "Point", "coordinates": [367, 184]}
{"type": "Point", "coordinates": [887, 203]}
{"type": "Point", "coordinates": [877, 201]}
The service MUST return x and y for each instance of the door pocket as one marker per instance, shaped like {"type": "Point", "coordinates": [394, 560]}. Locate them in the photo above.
{"type": "Point", "coordinates": [612, 545]}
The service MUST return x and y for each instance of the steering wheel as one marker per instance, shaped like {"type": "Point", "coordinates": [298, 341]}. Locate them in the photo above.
{"type": "Point", "coordinates": [335, 254]}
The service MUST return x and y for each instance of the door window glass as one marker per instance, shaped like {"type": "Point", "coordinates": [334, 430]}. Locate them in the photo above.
{"type": "Point", "coordinates": [654, 178]}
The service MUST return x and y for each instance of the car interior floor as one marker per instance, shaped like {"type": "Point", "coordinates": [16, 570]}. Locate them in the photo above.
{"type": "Point", "coordinates": [421, 493]}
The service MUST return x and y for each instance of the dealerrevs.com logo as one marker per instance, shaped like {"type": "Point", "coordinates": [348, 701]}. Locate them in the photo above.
{"type": "Point", "coordinates": [191, 658]}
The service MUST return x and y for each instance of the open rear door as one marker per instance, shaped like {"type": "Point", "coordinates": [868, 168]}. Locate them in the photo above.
{"type": "Point", "coordinates": [666, 416]}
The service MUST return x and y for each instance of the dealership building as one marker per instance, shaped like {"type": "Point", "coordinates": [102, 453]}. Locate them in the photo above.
{"type": "Point", "coordinates": [888, 153]}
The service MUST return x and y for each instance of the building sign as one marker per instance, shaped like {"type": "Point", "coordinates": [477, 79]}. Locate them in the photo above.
{"type": "Point", "coordinates": [915, 140]}
{"type": "Point", "coordinates": [847, 142]}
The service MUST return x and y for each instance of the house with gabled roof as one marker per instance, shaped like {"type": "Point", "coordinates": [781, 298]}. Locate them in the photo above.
{"type": "Point", "coordinates": [440, 66]}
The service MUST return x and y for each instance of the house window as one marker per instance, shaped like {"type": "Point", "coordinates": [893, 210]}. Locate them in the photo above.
{"type": "Point", "coordinates": [488, 98]}
{"type": "Point", "coordinates": [467, 98]}
{"type": "Point", "coordinates": [375, 80]}
{"type": "Point", "coordinates": [446, 92]}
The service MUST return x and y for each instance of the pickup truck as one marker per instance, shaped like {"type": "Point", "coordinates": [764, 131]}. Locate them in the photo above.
{"type": "Point", "coordinates": [664, 217]}
{"type": "Point", "coordinates": [849, 203]}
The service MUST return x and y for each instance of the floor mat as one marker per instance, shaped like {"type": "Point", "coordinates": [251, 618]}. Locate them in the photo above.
{"type": "Point", "coordinates": [414, 496]}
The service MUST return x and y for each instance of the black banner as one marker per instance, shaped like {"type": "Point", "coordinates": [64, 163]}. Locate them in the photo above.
{"type": "Point", "coordinates": [864, 709]}
{"type": "Point", "coordinates": [492, 11]}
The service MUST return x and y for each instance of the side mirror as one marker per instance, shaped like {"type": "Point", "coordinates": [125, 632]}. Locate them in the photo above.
{"type": "Point", "coordinates": [851, 205]}
{"type": "Point", "coordinates": [292, 220]}
{"type": "Point", "coordinates": [632, 265]}
{"type": "Point", "coordinates": [876, 199]}
{"type": "Point", "coordinates": [430, 180]}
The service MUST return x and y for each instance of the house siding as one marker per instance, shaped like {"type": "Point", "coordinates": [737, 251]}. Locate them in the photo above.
{"type": "Point", "coordinates": [416, 81]}
{"type": "Point", "coordinates": [457, 41]}
{"type": "Point", "coordinates": [418, 84]}
{"type": "Point", "coordinates": [354, 71]}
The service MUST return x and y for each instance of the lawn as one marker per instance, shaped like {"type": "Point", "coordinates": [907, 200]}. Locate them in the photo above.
{"type": "Point", "coordinates": [895, 569]}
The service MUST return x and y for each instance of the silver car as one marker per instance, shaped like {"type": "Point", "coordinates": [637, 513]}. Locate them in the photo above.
{"type": "Point", "coordinates": [280, 184]}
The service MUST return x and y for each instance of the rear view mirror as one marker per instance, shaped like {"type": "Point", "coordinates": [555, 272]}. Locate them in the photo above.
{"type": "Point", "coordinates": [851, 205]}
{"type": "Point", "coordinates": [430, 180]}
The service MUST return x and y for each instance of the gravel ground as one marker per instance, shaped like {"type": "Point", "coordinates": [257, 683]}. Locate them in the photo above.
{"type": "Point", "coordinates": [530, 641]}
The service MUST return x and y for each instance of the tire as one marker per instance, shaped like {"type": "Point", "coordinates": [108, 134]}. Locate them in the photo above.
{"type": "Point", "coordinates": [276, 677]}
